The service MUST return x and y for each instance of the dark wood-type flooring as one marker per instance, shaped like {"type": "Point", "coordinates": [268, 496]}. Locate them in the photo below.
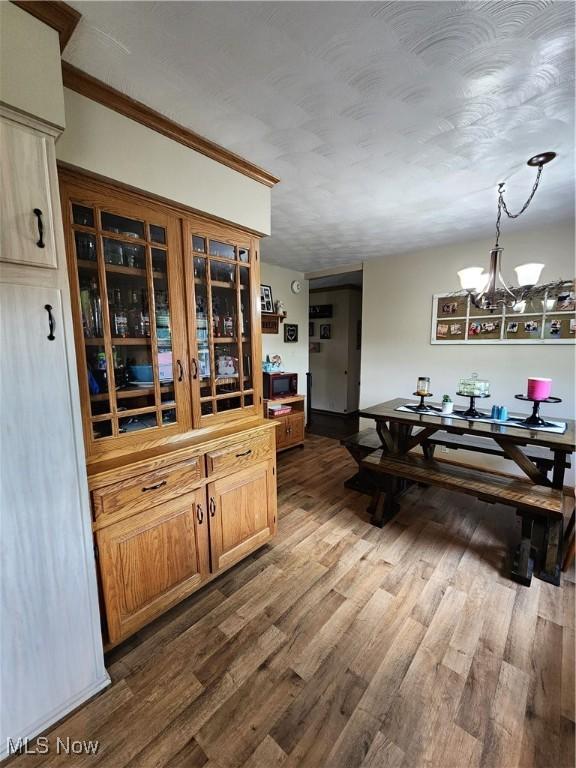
{"type": "Point", "coordinates": [341, 644]}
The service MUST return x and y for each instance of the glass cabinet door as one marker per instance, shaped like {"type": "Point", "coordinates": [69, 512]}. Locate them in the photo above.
{"type": "Point", "coordinates": [223, 321]}
{"type": "Point", "coordinates": [126, 314]}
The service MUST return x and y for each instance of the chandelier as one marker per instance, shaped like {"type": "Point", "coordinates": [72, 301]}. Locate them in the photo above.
{"type": "Point", "coordinates": [488, 291]}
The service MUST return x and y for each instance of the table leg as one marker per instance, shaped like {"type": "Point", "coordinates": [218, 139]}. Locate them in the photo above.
{"type": "Point", "coordinates": [385, 504]}
{"type": "Point", "coordinates": [559, 469]}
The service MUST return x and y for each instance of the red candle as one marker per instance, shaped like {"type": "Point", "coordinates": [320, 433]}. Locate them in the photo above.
{"type": "Point", "coordinates": [539, 389]}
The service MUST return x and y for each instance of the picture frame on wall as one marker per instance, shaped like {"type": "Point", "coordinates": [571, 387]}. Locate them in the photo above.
{"type": "Point", "coordinates": [290, 333]}
{"type": "Point", "coordinates": [325, 331]}
{"type": "Point", "coordinates": [548, 320]}
{"type": "Point", "coordinates": [266, 300]}
{"type": "Point", "coordinates": [320, 311]}
{"type": "Point", "coordinates": [314, 347]}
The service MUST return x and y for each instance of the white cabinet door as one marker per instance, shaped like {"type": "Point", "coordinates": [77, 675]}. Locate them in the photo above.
{"type": "Point", "coordinates": [51, 649]}
{"type": "Point", "coordinates": [26, 160]}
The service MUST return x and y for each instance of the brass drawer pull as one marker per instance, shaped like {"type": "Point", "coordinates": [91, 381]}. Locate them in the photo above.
{"type": "Point", "coordinates": [246, 453]}
{"type": "Point", "coordinates": [199, 514]}
{"type": "Point", "coordinates": [154, 487]}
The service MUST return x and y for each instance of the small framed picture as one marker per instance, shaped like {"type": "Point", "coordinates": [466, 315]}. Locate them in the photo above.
{"type": "Point", "coordinates": [311, 329]}
{"type": "Point", "coordinates": [314, 347]}
{"type": "Point", "coordinates": [512, 327]}
{"type": "Point", "coordinates": [531, 326]}
{"type": "Point", "coordinates": [449, 308]}
{"type": "Point", "coordinates": [290, 333]}
{"type": "Point", "coordinates": [572, 325]}
{"type": "Point", "coordinates": [266, 300]}
{"type": "Point", "coordinates": [326, 331]}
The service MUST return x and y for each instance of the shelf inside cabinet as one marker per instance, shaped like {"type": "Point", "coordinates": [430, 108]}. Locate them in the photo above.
{"type": "Point", "coordinates": [119, 341]}
{"type": "Point", "coordinates": [229, 339]}
{"type": "Point", "coordinates": [219, 284]}
{"type": "Point", "coordinates": [120, 270]}
{"type": "Point", "coordinates": [122, 394]}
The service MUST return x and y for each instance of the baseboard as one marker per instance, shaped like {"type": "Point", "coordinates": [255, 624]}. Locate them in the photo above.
{"type": "Point", "coordinates": [37, 728]}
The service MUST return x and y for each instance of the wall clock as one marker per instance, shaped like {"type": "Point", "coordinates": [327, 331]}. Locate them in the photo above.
{"type": "Point", "coordinates": [290, 333]}
{"type": "Point", "coordinates": [296, 286]}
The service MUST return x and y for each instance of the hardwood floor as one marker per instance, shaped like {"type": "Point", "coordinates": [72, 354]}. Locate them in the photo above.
{"type": "Point", "coordinates": [345, 645]}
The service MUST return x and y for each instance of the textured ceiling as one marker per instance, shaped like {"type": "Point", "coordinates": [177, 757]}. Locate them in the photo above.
{"type": "Point", "coordinates": [390, 124]}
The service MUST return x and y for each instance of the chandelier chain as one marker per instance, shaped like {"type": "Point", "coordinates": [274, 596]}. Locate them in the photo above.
{"type": "Point", "coordinates": [503, 207]}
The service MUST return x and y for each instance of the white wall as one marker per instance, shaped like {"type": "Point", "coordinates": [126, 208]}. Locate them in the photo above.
{"type": "Point", "coordinates": [397, 307]}
{"type": "Point", "coordinates": [30, 70]}
{"type": "Point", "coordinates": [335, 369]}
{"type": "Point", "coordinates": [99, 140]}
{"type": "Point", "coordinates": [294, 354]}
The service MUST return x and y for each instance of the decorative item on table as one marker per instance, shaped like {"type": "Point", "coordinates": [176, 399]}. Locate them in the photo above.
{"type": "Point", "coordinates": [538, 388]}
{"type": "Point", "coordinates": [473, 387]}
{"type": "Point", "coordinates": [272, 364]}
{"type": "Point", "coordinates": [266, 301]}
{"type": "Point", "coordinates": [538, 391]}
{"type": "Point", "coordinates": [422, 391]}
{"type": "Point", "coordinates": [447, 405]}
{"type": "Point", "coordinates": [488, 291]}
{"type": "Point", "coordinates": [499, 413]}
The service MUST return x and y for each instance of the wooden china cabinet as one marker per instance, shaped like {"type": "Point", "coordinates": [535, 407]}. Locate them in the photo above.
{"type": "Point", "coordinates": [181, 463]}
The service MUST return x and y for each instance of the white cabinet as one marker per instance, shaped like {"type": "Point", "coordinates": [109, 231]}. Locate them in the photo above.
{"type": "Point", "coordinates": [26, 181]}
{"type": "Point", "coordinates": [52, 658]}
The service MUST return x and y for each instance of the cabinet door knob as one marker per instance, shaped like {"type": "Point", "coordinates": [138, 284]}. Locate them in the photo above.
{"type": "Point", "coordinates": [154, 487]}
{"type": "Point", "coordinates": [51, 323]}
{"type": "Point", "coordinates": [180, 370]}
{"type": "Point", "coordinates": [199, 514]}
{"type": "Point", "coordinates": [212, 506]}
{"type": "Point", "coordinates": [194, 368]}
{"type": "Point", "coordinates": [40, 241]}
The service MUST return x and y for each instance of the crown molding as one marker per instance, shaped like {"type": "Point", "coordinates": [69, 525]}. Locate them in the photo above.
{"type": "Point", "coordinates": [95, 89]}
{"type": "Point", "coordinates": [55, 13]}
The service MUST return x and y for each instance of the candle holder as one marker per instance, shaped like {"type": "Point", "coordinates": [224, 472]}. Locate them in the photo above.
{"type": "Point", "coordinates": [472, 413]}
{"type": "Point", "coordinates": [422, 407]}
{"type": "Point", "coordinates": [535, 420]}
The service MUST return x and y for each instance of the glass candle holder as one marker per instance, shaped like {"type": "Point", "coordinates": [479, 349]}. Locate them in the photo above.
{"type": "Point", "coordinates": [423, 386]}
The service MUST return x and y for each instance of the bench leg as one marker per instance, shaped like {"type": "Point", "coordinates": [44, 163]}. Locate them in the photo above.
{"type": "Point", "coordinates": [523, 563]}
{"type": "Point", "coordinates": [569, 545]}
{"type": "Point", "coordinates": [552, 556]}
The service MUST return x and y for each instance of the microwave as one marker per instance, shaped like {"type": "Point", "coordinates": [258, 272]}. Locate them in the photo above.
{"type": "Point", "coordinates": [277, 385]}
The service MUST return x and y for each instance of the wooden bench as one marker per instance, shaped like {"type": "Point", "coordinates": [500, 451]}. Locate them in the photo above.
{"type": "Point", "coordinates": [529, 500]}
{"type": "Point", "coordinates": [367, 440]}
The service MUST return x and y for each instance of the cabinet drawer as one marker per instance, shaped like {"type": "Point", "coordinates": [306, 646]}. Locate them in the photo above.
{"type": "Point", "coordinates": [145, 491]}
{"type": "Point", "coordinates": [240, 454]}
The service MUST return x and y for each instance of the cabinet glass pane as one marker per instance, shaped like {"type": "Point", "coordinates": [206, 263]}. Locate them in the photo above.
{"type": "Point", "coordinates": [168, 417]}
{"type": "Point", "coordinates": [98, 385]}
{"type": "Point", "coordinates": [248, 401]}
{"type": "Point", "coordinates": [228, 404]}
{"type": "Point", "coordinates": [224, 301]}
{"type": "Point", "coordinates": [202, 329]}
{"type": "Point", "coordinates": [247, 366]}
{"type": "Point", "coordinates": [136, 423]}
{"type": "Point", "coordinates": [90, 303]}
{"type": "Point", "coordinates": [85, 246]}
{"type": "Point", "coordinates": [226, 362]}
{"type": "Point", "coordinates": [157, 234]}
{"type": "Point", "coordinates": [82, 215]}
{"type": "Point", "coordinates": [206, 408]}
{"type": "Point", "coordinates": [198, 244]}
{"type": "Point", "coordinates": [120, 254]}
{"type": "Point", "coordinates": [162, 311]}
{"type": "Point", "coordinates": [244, 254]}
{"type": "Point", "coordinates": [121, 225]}
{"type": "Point", "coordinates": [101, 429]}
{"type": "Point", "coordinates": [223, 250]}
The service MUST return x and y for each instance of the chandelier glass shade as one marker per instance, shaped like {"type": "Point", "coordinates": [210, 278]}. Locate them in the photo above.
{"type": "Point", "coordinates": [488, 290]}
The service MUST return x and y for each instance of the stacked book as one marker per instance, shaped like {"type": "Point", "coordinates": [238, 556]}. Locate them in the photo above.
{"type": "Point", "coordinates": [278, 409]}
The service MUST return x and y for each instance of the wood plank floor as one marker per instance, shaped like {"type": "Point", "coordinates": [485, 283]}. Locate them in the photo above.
{"type": "Point", "coordinates": [344, 645]}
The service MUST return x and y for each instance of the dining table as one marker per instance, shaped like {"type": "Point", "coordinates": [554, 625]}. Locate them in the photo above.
{"type": "Point", "coordinates": [541, 454]}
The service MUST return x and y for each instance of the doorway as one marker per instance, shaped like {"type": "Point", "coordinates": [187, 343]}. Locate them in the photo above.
{"type": "Point", "coordinates": [335, 341]}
